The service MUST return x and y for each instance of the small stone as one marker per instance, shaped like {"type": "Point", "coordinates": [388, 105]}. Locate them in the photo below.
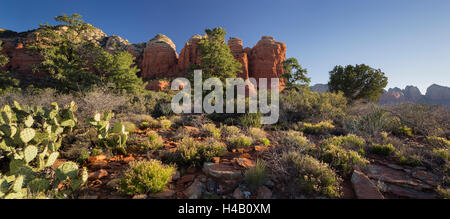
{"type": "Point", "coordinates": [244, 162]}
{"type": "Point", "coordinates": [195, 190]}
{"type": "Point", "coordinates": [98, 164]}
{"type": "Point", "coordinates": [216, 159]}
{"type": "Point", "coordinates": [98, 174]}
{"type": "Point", "coordinates": [269, 183]}
{"type": "Point", "coordinates": [263, 193]}
{"type": "Point", "coordinates": [186, 178]}
{"type": "Point", "coordinates": [261, 148]}
{"type": "Point", "coordinates": [128, 159]}
{"type": "Point", "coordinates": [191, 170]}
{"type": "Point", "coordinates": [113, 184]}
{"type": "Point", "coordinates": [166, 193]}
{"type": "Point", "coordinates": [176, 175]}
{"type": "Point", "coordinates": [140, 196]}
{"type": "Point", "coordinates": [93, 159]}
{"type": "Point", "coordinates": [88, 197]}
{"type": "Point", "coordinates": [221, 171]}
{"type": "Point", "coordinates": [237, 194]}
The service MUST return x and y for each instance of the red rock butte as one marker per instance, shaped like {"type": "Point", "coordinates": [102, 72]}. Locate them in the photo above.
{"type": "Point", "coordinates": [158, 58]}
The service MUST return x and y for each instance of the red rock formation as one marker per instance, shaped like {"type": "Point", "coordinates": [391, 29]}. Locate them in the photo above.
{"type": "Point", "coordinates": [157, 85]}
{"type": "Point", "coordinates": [240, 55]}
{"type": "Point", "coordinates": [190, 54]}
{"type": "Point", "coordinates": [160, 58]}
{"type": "Point", "coordinates": [266, 59]}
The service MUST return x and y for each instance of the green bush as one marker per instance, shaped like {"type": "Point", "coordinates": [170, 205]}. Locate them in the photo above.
{"type": "Point", "coordinates": [210, 130]}
{"type": "Point", "coordinates": [145, 176]}
{"type": "Point", "coordinates": [297, 140]}
{"type": "Point", "coordinates": [165, 124]}
{"type": "Point", "coordinates": [403, 130]}
{"type": "Point", "coordinates": [250, 120]}
{"type": "Point", "coordinates": [323, 127]}
{"type": "Point", "coordinates": [438, 142]}
{"type": "Point", "coordinates": [386, 149]}
{"type": "Point", "coordinates": [228, 131]}
{"type": "Point", "coordinates": [371, 121]}
{"type": "Point", "coordinates": [315, 176]}
{"type": "Point", "coordinates": [155, 141]}
{"type": "Point", "coordinates": [240, 141]}
{"type": "Point", "coordinates": [255, 176]}
{"type": "Point", "coordinates": [194, 153]}
{"type": "Point", "coordinates": [443, 153]}
{"type": "Point", "coordinates": [349, 142]}
{"type": "Point", "coordinates": [259, 136]}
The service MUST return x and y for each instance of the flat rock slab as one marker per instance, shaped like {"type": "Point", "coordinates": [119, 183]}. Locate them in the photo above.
{"type": "Point", "coordinates": [221, 171]}
{"type": "Point", "coordinates": [403, 192]}
{"type": "Point", "coordinates": [364, 188]}
{"type": "Point", "coordinates": [393, 176]}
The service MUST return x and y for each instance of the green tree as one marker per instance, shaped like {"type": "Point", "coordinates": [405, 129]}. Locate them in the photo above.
{"type": "Point", "coordinates": [216, 58]}
{"type": "Point", "coordinates": [358, 82]}
{"type": "Point", "coordinates": [75, 63]}
{"type": "Point", "coordinates": [120, 70]}
{"type": "Point", "coordinates": [295, 75]}
{"type": "Point", "coordinates": [7, 82]}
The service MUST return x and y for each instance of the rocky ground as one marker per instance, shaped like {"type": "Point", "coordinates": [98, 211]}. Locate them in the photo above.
{"type": "Point", "coordinates": [223, 178]}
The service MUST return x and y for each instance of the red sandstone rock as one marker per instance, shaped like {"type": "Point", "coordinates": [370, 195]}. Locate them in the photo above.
{"type": "Point", "coordinates": [157, 85]}
{"type": "Point", "coordinates": [237, 50]}
{"type": "Point", "coordinates": [266, 59]}
{"type": "Point", "coordinates": [190, 54]}
{"type": "Point", "coordinates": [364, 188]}
{"type": "Point", "coordinates": [160, 58]}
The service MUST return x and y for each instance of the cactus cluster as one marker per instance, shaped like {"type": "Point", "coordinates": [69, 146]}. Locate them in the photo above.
{"type": "Point", "coordinates": [114, 138]}
{"type": "Point", "coordinates": [31, 137]}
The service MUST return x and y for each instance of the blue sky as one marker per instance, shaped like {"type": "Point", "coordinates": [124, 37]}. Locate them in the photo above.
{"type": "Point", "coordinates": [408, 39]}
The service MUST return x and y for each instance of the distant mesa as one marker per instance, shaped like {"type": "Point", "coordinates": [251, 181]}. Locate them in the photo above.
{"type": "Point", "coordinates": [436, 94]}
{"type": "Point", "coordinates": [157, 58]}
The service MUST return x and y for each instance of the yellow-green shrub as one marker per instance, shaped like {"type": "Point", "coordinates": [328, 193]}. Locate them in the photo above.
{"type": "Point", "coordinates": [323, 127]}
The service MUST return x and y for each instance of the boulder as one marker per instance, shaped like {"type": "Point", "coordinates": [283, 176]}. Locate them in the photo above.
{"type": "Point", "coordinates": [364, 187]}
{"type": "Point", "coordinates": [221, 171]}
{"type": "Point", "coordinates": [190, 54]}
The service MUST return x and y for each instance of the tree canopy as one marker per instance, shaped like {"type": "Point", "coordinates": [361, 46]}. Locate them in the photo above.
{"type": "Point", "coordinates": [294, 75]}
{"type": "Point", "coordinates": [7, 82]}
{"type": "Point", "coordinates": [358, 82]}
{"type": "Point", "coordinates": [76, 63]}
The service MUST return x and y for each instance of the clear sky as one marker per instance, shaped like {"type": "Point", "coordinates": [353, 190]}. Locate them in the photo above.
{"type": "Point", "coordinates": [408, 39]}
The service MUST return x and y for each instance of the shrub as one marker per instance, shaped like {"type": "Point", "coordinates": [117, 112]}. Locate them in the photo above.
{"type": "Point", "coordinates": [265, 141]}
{"type": "Point", "coordinates": [129, 126]}
{"type": "Point", "coordinates": [403, 130]}
{"type": "Point", "coordinates": [337, 151]}
{"type": "Point", "coordinates": [146, 176]}
{"type": "Point", "coordinates": [259, 136]}
{"type": "Point", "coordinates": [438, 142]}
{"type": "Point", "coordinates": [155, 141]}
{"type": "Point", "coordinates": [165, 124]}
{"type": "Point", "coordinates": [443, 153]}
{"type": "Point", "coordinates": [323, 127]}
{"type": "Point", "coordinates": [306, 105]}
{"type": "Point", "coordinates": [250, 120]}
{"type": "Point", "coordinates": [228, 131]}
{"type": "Point", "coordinates": [297, 140]}
{"type": "Point", "coordinates": [191, 152]}
{"type": "Point", "coordinates": [412, 160]}
{"type": "Point", "coordinates": [183, 132]}
{"type": "Point", "coordinates": [255, 176]}
{"type": "Point", "coordinates": [315, 176]}
{"type": "Point", "coordinates": [350, 141]}
{"type": "Point", "coordinates": [386, 149]}
{"type": "Point", "coordinates": [371, 121]}
{"type": "Point", "coordinates": [240, 141]}
{"type": "Point", "coordinates": [210, 130]}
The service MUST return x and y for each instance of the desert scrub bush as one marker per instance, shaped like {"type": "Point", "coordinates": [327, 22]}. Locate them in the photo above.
{"type": "Point", "coordinates": [444, 193]}
{"type": "Point", "coordinates": [146, 176]}
{"type": "Point", "coordinates": [425, 119]}
{"type": "Point", "coordinates": [382, 149]}
{"type": "Point", "coordinates": [349, 142]}
{"type": "Point", "coordinates": [228, 131]}
{"type": "Point", "coordinates": [210, 130]}
{"type": "Point", "coordinates": [164, 123]}
{"type": "Point", "coordinates": [250, 120]}
{"type": "Point", "coordinates": [194, 153]}
{"type": "Point", "coordinates": [240, 141]}
{"type": "Point", "coordinates": [129, 126]}
{"type": "Point", "coordinates": [323, 127]}
{"type": "Point", "coordinates": [155, 141]}
{"type": "Point", "coordinates": [313, 175]}
{"type": "Point", "coordinates": [183, 132]}
{"type": "Point", "coordinates": [371, 121]}
{"type": "Point", "coordinates": [403, 131]}
{"type": "Point", "coordinates": [438, 142]}
{"type": "Point", "coordinates": [259, 136]}
{"type": "Point", "coordinates": [297, 140]}
{"type": "Point", "coordinates": [255, 176]}
{"type": "Point", "coordinates": [442, 153]}
{"type": "Point", "coordinates": [306, 105]}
